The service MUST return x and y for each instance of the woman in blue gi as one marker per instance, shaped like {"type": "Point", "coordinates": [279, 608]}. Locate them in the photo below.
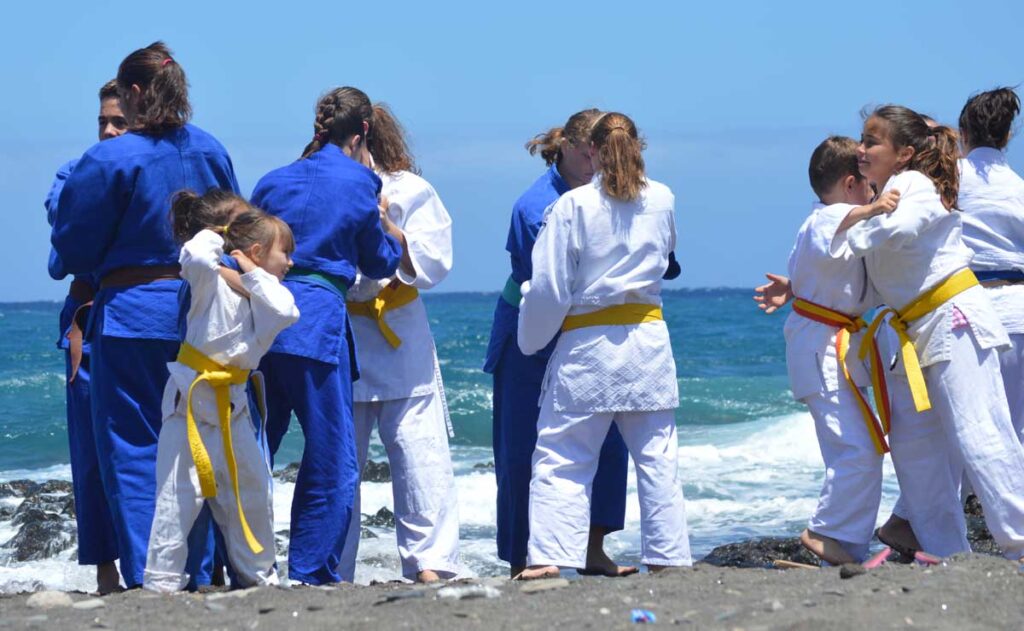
{"type": "Point", "coordinates": [517, 377]}
{"type": "Point", "coordinates": [111, 222]}
{"type": "Point", "coordinates": [330, 200]}
{"type": "Point", "coordinates": [96, 543]}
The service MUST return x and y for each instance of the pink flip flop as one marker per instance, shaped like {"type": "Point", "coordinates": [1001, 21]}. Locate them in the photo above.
{"type": "Point", "coordinates": [878, 559]}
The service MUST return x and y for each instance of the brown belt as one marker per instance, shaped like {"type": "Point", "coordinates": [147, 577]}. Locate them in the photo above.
{"type": "Point", "coordinates": [137, 275]}
{"type": "Point", "coordinates": [82, 293]}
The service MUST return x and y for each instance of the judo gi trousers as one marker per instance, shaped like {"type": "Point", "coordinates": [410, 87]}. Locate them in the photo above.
{"type": "Point", "coordinates": [128, 378]}
{"type": "Point", "coordinates": [1011, 362]}
{"type": "Point", "coordinates": [179, 502]}
{"type": "Point", "coordinates": [929, 471]}
{"type": "Point", "coordinates": [852, 490]}
{"type": "Point", "coordinates": [320, 394]}
{"type": "Point", "coordinates": [968, 398]}
{"type": "Point", "coordinates": [96, 541]}
{"type": "Point", "coordinates": [415, 437]}
{"type": "Point", "coordinates": [517, 384]}
{"type": "Point", "coordinates": [564, 464]}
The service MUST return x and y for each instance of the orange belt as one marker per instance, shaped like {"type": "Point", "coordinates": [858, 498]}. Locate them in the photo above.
{"type": "Point", "coordinates": [847, 325]}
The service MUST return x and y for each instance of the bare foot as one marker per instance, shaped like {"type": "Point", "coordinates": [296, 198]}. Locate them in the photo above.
{"type": "Point", "coordinates": [427, 576]}
{"type": "Point", "coordinates": [108, 580]}
{"type": "Point", "coordinates": [825, 548]}
{"type": "Point", "coordinates": [598, 564]}
{"type": "Point", "coordinates": [535, 572]}
{"type": "Point", "coordinates": [898, 535]}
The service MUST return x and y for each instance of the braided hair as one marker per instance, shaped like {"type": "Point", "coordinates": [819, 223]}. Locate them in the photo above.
{"type": "Point", "coordinates": [340, 114]}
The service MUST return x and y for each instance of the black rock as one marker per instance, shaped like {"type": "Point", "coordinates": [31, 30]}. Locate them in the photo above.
{"type": "Point", "coordinates": [849, 570]}
{"type": "Point", "coordinates": [977, 532]}
{"type": "Point", "coordinates": [288, 474]}
{"type": "Point", "coordinates": [366, 533]}
{"type": "Point", "coordinates": [760, 553]}
{"type": "Point", "coordinates": [18, 488]}
{"type": "Point", "coordinates": [54, 486]}
{"type": "Point", "coordinates": [376, 471]}
{"type": "Point", "coordinates": [47, 503]}
{"type": "Point", "coordinates": [383, 518]}
{"type": "Point", "coordinates": [41, 536]}
{"type": "Point", "coordinates": [484, 466]}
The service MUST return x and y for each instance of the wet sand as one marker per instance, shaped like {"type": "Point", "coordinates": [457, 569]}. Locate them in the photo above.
{"type": "Point", "coordinates": [969, 592]}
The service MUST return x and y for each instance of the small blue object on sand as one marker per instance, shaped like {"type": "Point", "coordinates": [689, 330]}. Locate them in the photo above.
{"type": "Point", "coordinates": [642, 616]}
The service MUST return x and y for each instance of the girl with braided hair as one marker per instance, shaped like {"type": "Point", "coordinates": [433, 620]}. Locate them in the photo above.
{"type": "Point", "coordinates": [399, 390]}
{"type": "Point", "coordinates": [111, 222]}
{"type": "Point", "coordinates": [330, 199]}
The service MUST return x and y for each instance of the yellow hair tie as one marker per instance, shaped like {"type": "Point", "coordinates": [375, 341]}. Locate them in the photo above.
{"type": "Point", "coordinates": [224, 229]}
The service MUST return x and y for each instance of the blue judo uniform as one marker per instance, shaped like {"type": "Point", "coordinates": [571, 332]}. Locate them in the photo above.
{"type": "Point", "coordinates": [113, 214]}
{"type": "Point", "coordinates": [96, 541]}
{"type": "Point", "coordinates": [330, 202]}
{"type": "Point", "coordinates": [516, 403]}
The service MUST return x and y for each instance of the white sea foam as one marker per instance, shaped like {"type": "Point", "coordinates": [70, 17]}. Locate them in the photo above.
{"type": "Point", "coordinates": [741, 480]}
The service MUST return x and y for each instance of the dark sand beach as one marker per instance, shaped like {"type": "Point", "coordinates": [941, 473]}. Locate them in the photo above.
{"type": "Point", "coordinates": [970, 592]}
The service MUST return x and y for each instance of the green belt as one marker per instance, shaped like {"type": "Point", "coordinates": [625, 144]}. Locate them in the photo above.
{"type": "Point", "coordinates": [511, 293]}
{"type": "Point", "coordinates": [327, 281]}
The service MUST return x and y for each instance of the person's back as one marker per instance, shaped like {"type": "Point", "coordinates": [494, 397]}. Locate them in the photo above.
{"type": "Point", "coordinates": [597, 269]}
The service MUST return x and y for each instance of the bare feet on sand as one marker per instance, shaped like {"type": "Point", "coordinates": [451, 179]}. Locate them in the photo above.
{"type": "Point", "coordinates": [108, 580]}
{"type": "Point", "coordinates": [599, 564]}
{"type": "Point", "coordinates": [537, 571]}
{"type": "Point", "coordinates": [825, 548]}
{"type": "Point", "coordinates": [898, 535]}
{"type": "Point", "coordinates": [427, 576]}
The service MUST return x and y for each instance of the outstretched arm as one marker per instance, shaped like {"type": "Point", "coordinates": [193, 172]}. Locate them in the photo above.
{"type": "Point", "coordinates": [774, 294]}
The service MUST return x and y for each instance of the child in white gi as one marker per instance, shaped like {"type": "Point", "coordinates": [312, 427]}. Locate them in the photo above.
{"type": "Point", "coordinates": [207, 447]}
{"type": "Point", "coordinates": [597, 269]}
{"type": "Point", "coordinates": [949, 333]}
{"type": "Point", "coordinates": [399, 389]}
{"type": "Point", "coordinates": [992, 201]}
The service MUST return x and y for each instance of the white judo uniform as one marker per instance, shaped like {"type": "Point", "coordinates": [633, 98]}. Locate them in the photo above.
{"type": "Point", "coordinates": [992, 201]}
{"type": "Point", "coordinates": [848, 506]}
{"type": "Point", "coordinates": [908, 252]}
{"type": "Point", "coordinates": [399, 391]}
{"type": "Point", "coordinates": [592, 253]}
{"type": "Point", "coordinates": [232, 331]}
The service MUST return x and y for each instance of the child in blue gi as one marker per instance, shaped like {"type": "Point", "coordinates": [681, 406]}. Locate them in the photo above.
{"type": "Point", "coordinates": [329, 198]}
{"type": "Point", "coordinates": [112, 222]}
{"type": "Point", "coordinates": [96, 543]}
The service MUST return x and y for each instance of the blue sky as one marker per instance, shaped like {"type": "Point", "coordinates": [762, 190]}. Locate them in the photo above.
{"type": "Point", "coordinates": [731, 96]}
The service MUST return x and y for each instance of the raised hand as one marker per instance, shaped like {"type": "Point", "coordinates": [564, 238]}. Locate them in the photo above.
{"type": "Point", "coordinates": [773, 294]}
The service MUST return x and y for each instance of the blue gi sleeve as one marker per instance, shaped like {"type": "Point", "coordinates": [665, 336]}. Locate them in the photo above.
{"type": "Point", "coordinates": [88, 213]}
{"type": "Point", "coordinates": [379, 253]}
{"type": "Point", "coordinates": [54, 265]}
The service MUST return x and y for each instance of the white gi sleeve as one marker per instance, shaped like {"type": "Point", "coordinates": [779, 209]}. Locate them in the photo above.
{"type": "Point", "coordinates": [273, 306]}
{"type": "Point", "coordinates": [200, 266]}
{"type": "Point", "coordinates": [428, 235]}
{"type": "Point", "coordinates": [915, 212]}
{"type": "Point", "coordinates": [547, 297]}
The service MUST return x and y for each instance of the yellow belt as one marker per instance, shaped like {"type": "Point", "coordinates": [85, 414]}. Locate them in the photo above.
{"type": "Point", "coordinates": [919, 307]}
{"type": "Point", "coordinates": [390, 298]}
{"type": "Point", "coordinates": [847, 325]}
{"type": "Point", "coordinates": [220, 378]}
{"type": "Point", "coordinates": [616, 314]}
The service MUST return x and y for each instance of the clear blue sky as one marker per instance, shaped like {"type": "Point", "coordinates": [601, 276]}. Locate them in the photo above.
{"type": "Point", "coordinates": [732, 97]}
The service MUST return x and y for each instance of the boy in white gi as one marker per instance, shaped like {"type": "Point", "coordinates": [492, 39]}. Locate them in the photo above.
{"type": "Point", "coordinates": [399, 389]}
{"type": "Point", "coordinates": [207, 447]}
{"type": "Point", "coordinates": [597, 269]}
{"type": "Point", "coordinates": [831, 294]}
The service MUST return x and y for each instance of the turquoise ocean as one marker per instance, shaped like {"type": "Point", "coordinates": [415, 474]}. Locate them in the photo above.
{"type": "Point", "coordinates": [749, 459]}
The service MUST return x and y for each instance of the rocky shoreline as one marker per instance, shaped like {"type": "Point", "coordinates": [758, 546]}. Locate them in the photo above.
{"type": "Point", "coordinates": [734, 586]}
